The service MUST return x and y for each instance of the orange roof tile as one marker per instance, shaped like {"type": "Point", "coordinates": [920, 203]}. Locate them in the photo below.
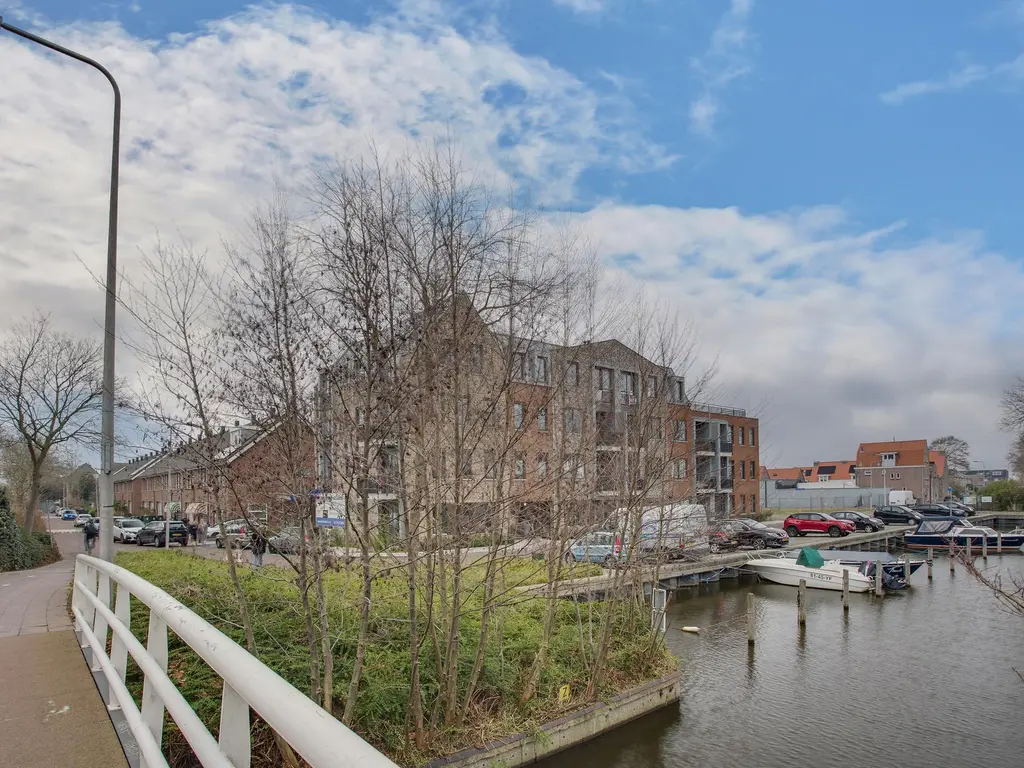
{"type": "Point", "coordinates": [938, 458]}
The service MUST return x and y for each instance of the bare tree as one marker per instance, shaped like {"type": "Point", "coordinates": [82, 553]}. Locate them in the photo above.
{"type": "Point", "coordinates": [50, 394]}
{"type": "Point", "coordinates": [957, 451]}
{"type": "Point", "coordinates": [1013, 407]}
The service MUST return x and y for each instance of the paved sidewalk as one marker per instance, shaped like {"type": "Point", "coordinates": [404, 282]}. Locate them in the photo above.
{"type": "Point", "coordinates": [51, 713]}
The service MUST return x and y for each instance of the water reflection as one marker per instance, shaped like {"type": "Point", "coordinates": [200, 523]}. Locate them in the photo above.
{"type": "Point", "coordinates": [919, 679]}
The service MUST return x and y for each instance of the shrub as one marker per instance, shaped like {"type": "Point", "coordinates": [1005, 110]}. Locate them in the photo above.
{"type": "Point", "coordinates": [18, 551]}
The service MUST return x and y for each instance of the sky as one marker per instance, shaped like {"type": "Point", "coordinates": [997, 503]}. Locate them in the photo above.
{"type": "Point", "coordinates": [828, 192]}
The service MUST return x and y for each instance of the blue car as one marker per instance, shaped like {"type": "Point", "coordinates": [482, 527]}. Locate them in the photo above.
{"type": "Point", "coordinates": [69, 514]}
{"type": "Point", "coordinates": [599, 547]}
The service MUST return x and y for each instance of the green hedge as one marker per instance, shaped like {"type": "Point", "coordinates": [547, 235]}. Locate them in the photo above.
{"type": "Point", "coordinates": [18, 551]}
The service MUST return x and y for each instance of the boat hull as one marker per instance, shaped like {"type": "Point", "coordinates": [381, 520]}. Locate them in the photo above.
{"type": "Point", "coordinates": [778, 572]}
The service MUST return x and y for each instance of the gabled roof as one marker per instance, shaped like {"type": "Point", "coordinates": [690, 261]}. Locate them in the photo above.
{"type": "Point", "coordinates": [893, 446]}
{"type": "Point", "coordinates": [938, 458]}
{"type": "Point", "coordinates": [842, 469]}
{"type": "Point", "coordinates": [785, 473]}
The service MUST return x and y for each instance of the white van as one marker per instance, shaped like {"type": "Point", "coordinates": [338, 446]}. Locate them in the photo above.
{"type": "Point", "coordinates": [901, 498]}
{"type": "Point", "coordinates": [669, 529]}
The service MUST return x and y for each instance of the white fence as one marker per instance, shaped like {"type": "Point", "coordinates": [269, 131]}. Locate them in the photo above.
{"type": "Point", "coordinates": [310, 730]}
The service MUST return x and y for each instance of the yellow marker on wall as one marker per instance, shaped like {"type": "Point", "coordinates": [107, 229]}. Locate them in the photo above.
{"type": "Point", "coordinates": [563, 694]}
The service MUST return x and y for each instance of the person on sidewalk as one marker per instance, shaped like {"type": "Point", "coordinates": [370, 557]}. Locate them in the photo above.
{"type": "Point", "coordinates": [92, 532]}
{"type": "Point", "coordinates": [258, 545]}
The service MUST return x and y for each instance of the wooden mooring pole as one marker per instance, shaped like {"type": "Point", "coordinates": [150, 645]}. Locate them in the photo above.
{"type": "Point", "coordinates": [846, 590]}
{"type": "Point", "coordinates": [750, 618]}
{"type": "Point", "coordinates": [878, 579]}
{"type": "Point", "coordinates": [952, 558]}
{"type": "Point", "coordinates": [801, 603]}
{"type": "Point", "coordinates": [931, 556]}
{"type": "Point", "coordinates": [984, 548]}
{"type": "Point", "coordinates": [906, 567]}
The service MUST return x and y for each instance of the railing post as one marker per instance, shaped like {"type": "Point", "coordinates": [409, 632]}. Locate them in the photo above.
{"type": "Point", "coordinates": [235, 738]}
{"type": "Point", "coordinates": [87, 608]}
{"type": "Point", "coordinates": [99, 624]}
{"type": "Point", "coordinates": [152, 704]}
{"type": "Point", "coordinates": [118, 650]}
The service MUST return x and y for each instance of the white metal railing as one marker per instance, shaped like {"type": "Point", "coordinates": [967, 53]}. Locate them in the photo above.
{"type": "Point", "coordinates": [311, 731]}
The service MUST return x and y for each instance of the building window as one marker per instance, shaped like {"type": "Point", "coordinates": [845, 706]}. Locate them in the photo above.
{"type": "Point", "coordinates": [894, 475]}
{"type": "Point", "coordinates": [679, 431]}
{"type": "Point", "coordinates": [652, 386]}
{"type": "Point", "coordinates": [604, 379]}
{"type": "Point", "coordinates": [518, 415]}
{"type": "Point", "coordinates": [753, 505]}
{"type": "Point", "coordinates": [542, 419]}
{"type": "Point", "coordinates": [742, 433]}
{"type": "Point", "coordinates": [743, 505]}
{"type": "Point", "coordinates": [573, 467]}
{"type": "Point", "coordinates": [627, 382]}
{"type": "Point", "coordinates": [476, 358]}
{"type": "Point", "coordinates": [361, 417]}
{"type": "Point", "coordinates": [753, 439]}
{"type": "Point", "coordinates": [573, 420]}
{"type": "Point", "coordinates": [541, 370]}
{"type": "Point", "coordinates": [490, 465]}
{"type": "Point", "coordinates": [679, 469]}
{"type": "Point", "coordinates": [888, 459]}
{"type": "Point", "coordinates": [542, 465]}
{"type": "Point", "coordinates": [519, 467]}
{"type": "Point", "coordinates": [753, 470]}
{"type": "Point", "coordinates": [743, 471]}
{"type": "Point", "coordinates": [823, 478]}
{"type": "Point", "coordinates": [679, 393]}
{"type": "Point", "coordinates": [572, 374]}
{"type": "Point", "coordinates": [519, 366]}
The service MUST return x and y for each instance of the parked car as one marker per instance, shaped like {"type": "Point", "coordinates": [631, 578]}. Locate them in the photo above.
{"type": "Point", "coordinates": [967, 510]}
{"type": "Point", "coordinates": [236, 531]}
{"type": "Point", "coordinates": [153, 533]}
{"type": "Point", "coordinates": [803, 523]}
{"type": "Point", "coordinates": [214, 529]}
{"type": "Point", "coordinates": [598, 547]}
{"type": "Point", "coordinates": [722, 537]}
{"type": "Point", "coordinates": [286, 540]}
{"type": "Point", "coordinates": [938, 510]}
{"type": "Point", "coordinates": [69, 514]}
{"type": "Point", "coordinates": [82, 519]}
{"type": "Point", "coordinates": [747, 533]}
{"type": "Point", "coordinates": [126, 529]}
{"type": "Point", "coordinates": [859, 519]}
{"type": "Point", "coordinates": [898, 514]}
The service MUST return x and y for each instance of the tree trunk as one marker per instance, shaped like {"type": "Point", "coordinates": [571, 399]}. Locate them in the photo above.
{"type": "Point", "coordinates": [33, 497]}
{"type": "Point", "coordinates": [303, 584]}
{"type": "Point", "coordinates": [364, 614]}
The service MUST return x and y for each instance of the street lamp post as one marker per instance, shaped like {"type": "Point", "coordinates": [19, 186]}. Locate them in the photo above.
{"type": "Point", "coordinates": [105, 487]}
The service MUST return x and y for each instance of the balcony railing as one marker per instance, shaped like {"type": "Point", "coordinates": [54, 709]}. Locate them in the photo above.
{"type": "Point", "coordinates": [724, 446]}
{"type": "Point", "coordinates": [706, 445]}
{"type": "Point", "coordinates": [627, 398]}
{"type": "Point", "coordinates": [605, 396]}
{"type": "Point", "coordinates": [608, 436]}
{"type": "Point", "coordinates": [706, 481]}
{"type": "Point", "coordinates": [726, 482]}
{"type": "Point", "coordinates": [724, 410]}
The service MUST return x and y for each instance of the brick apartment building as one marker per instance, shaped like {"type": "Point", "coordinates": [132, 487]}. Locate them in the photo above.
{"type": "Point", "coordinates": [258, 472]}
{"type": "Point", "coordinates": [592, 427]}
{"type": "Point", "coordinates": [907, 465]}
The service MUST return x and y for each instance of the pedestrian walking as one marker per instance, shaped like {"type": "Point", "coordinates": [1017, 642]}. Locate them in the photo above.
{"type": "Point", "coordinates": [92, 532]}
{"type": "Point", "coordinates": [257, 545]}
{"type": "Point", "coordinates": [193, 532]}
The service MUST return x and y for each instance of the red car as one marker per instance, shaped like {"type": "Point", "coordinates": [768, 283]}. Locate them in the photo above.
{"type": "Point", "coordinates": [803, 523]}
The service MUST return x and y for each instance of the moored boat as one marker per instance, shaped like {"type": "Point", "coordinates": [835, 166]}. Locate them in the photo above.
{"type": "Point", "coordinates": [941, 532]}
{"type": "Point", "coordinates": [810, 567]}
{"type": "Point", "coordinates": [894, 569]}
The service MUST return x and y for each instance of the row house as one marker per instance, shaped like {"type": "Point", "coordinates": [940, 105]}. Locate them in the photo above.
{"type": "Point", "coordinates": [908, 465]}
{"type": "Point", "coordinates": [509, 429]}
{"type": "Point", "coordinates": [258, 472]}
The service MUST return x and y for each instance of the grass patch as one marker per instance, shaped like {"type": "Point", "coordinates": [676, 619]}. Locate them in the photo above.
{"type": "Point", "coordinates": [273, 599]}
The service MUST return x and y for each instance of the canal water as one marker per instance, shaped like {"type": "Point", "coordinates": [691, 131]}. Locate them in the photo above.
{"type": "Point", "coordinates": [922, 678]}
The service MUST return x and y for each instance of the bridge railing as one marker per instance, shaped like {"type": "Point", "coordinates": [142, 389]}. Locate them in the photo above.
{"type": "Point", "coordinates": [311, 731]}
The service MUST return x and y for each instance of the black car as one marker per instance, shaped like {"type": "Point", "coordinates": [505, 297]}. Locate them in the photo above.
{"type": "Point", "coordinates": [153, 533]}
{"type": "Point", "coordinates": [862, 521]}
{"type": "Point", "coordinates": [938, 510]}
{"type": "Point", "coordinates": [744, 532]}
{"type": "Point", "coordinates": [967, 510]}
{"type": "Point", "coordinates": [898, 514]}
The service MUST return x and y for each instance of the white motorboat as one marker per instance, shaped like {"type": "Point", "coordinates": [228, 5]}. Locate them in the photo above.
{"type": "Point", "coordinates": [811, 567]}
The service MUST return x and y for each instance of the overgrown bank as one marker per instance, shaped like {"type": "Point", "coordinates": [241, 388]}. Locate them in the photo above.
{"type": "Point", "coordinates": [19, 550]}
{"type": "Point", "coordinates": [384, 688]}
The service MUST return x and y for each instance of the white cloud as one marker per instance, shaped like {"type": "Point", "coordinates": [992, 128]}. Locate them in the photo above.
{"type": "Point", "coordinates": [842, 332]}
{"type": "Point", "coordinates": [956, 80]}
{"type": "Point", "coordinates": [583, 6]}
{"type": "Point", "coordinates": [726, 60]}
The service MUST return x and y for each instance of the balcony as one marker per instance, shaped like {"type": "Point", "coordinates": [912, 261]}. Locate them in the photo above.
{"type": "Point", "coordinates": [608, 438]}
{"type": "Point", "coordinates": [605, 396]}
{"type": "Point", "coordinates": [724, 410]}
{"type": "Point", "coordinates": [706, 482]}
{"type": "Point", "coordinates": [726, 483]}
{"type": "Point", "coordinates": [627, 398]}
{"type": "Point", "coordinates": [724, 446]}
{"type": "Point", "coordinates": [379, 486]}
{"type": "Point", "coordinates": [704, 445]}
